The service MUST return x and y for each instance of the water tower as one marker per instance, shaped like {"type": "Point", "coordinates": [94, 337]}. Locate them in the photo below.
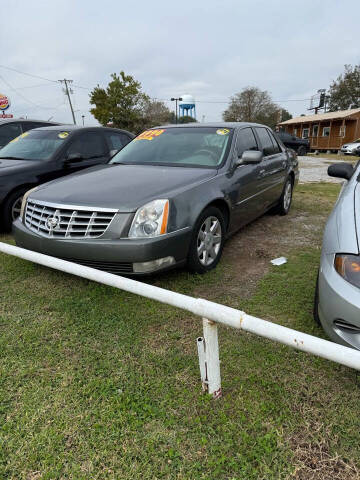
{"type": "Point", "coordinates": [187, 106]}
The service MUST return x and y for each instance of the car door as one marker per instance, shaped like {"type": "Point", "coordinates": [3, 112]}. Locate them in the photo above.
{"type": "Point", "coordinates": [86, 150]}
{"type": "Point", "coordinates": [9, 131]}
{"type": "Point", "coordinates": [245, 182]}
{"type": "Point", "coordinates": [273, 166]}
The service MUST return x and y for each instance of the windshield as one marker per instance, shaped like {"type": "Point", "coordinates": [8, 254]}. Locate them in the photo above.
{"type": "Point", "coordinates": [183, 146]}
{"type": "Point", "coordinates": [34, 145]}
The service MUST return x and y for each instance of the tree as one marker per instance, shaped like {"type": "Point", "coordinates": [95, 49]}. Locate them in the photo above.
{"type": "Point", "coordinates": [345, 90]}
{"type": "Point", "coordinates": [186, 119]}
{"type": "Point", "coordinates": [155, 113]}
{"type": "Point", "coordinates": [284, 115]}
{"type": "Point", "coordinates": [122, 103]}
{"type": "Point", "coordinates": [252, 105]}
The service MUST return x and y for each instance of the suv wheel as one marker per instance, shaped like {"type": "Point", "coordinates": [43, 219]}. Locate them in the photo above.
{"type": "Point", "coordinates": [301, 150]}
{"type": "Point", "coordinates": [207, 241]}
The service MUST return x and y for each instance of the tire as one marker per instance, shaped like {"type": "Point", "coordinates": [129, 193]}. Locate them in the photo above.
{"type": "Point", "coordinates": [301, 150]}
{"type": "Point", "coordinates": [11, 208]}
{"type": "Point", "coordinates": [285, 200]}
{"type": "Point", "coordinates": [209, 226]}
{"type": "Point", "coordinates": [316, 303]}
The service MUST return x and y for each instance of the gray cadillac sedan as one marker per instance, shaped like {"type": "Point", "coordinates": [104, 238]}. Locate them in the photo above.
{"type": "Point", "coordinates": [168, 198]}
{"type": "Point", "coordinates": [337, 296]}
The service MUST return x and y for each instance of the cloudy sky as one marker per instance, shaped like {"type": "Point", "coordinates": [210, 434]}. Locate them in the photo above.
{"type": "Point", "coordinates": [208, 48]}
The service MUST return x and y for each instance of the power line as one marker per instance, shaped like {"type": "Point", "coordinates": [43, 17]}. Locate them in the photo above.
{"type": "Point", "coordinates": [28, 74]}
{"type": "Point", "coordinates": [41, 78]}
{"type": "Point", "coordinates": [24, 98]}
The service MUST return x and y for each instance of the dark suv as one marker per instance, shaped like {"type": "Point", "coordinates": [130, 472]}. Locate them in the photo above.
{"type": "Point", "coordinates": [300, 145]}
{"type": "Point", "coordinates": [46, 153]}
{"type": "Point", "coordinates": [10, 129]}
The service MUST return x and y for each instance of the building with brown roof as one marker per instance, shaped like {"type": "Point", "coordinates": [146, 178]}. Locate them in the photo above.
{"type": "Point", "coordinates": [326, 131]}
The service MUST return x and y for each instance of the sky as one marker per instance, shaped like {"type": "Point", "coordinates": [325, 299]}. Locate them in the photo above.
{"type": "Point", "coordinates": [210, 49]}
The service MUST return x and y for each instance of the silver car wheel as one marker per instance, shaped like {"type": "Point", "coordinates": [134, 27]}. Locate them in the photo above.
{"type": "Point", "coordinates": [287, 196]}
{"type": "Point", "coordinates": [209, 241]}
{"type": "Point", "coordinates": [16, 208]}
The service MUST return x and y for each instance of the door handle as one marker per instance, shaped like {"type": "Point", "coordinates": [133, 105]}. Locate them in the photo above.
{"type": "Point", "coordinates": [262, 173]}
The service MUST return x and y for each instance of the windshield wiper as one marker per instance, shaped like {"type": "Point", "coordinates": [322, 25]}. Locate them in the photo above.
{"type": "Point", "coordinates": [12, 158]}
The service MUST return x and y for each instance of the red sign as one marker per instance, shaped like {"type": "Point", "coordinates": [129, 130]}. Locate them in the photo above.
{"type": "Point", "coordinates": [4, 102]}
{"type": "Point", "coordinates": [6, 115]}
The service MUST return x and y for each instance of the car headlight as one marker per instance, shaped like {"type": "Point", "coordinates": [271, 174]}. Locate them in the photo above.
{"type": "Point", "coordinates": [348, 266]}
{"type": "Point", "coordinates": [24, 200]}
{"type": "Point", "coordinates": [150, 220]}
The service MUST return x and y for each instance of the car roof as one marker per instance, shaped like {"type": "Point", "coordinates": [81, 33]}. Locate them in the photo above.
{"type": "Point", "coordinates": [76, 128]}
{"type": "Point", "coordinates": [213, 124]}
{"type": "Point", "coordinates": [26, 120]}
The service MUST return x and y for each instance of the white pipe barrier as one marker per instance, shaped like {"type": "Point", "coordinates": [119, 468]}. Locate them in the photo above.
{"type": "Point", "coordinates": [209, 351]}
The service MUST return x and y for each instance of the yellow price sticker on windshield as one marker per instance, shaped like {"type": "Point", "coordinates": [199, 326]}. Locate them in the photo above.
{"type": "Point", "coordinates": [223, 131]}
{"type": "Point", "coordinates": [23, 135]}
{"type": "Point", "coordinates": [150, 134]}
{"type": "Point", "coordinates": [63, 134]}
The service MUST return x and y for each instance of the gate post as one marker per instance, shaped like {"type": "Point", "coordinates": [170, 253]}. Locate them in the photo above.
{"type": "Point", "coordinates": [208, 350]}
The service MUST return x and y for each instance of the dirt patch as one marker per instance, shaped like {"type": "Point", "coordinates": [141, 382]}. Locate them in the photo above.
{"type": "Point", "coordinates": [314, 461]}
{"type": "Point", "coordinates": [247, 254]}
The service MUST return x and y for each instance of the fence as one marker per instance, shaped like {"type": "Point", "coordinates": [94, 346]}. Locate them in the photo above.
{"type": "Point", "coordinates": [211, 314]}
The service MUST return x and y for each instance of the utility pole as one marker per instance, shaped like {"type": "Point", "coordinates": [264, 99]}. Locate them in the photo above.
{"type": "Point", "coordinates": [67, 93]}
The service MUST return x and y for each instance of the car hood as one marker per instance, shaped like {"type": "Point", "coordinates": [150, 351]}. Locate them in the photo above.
{"type": "Point", "coordinates": [352, 144]}
{"type": "Point", "coordinates": [124, 187]}
{"type": "Point", "coordinates": [8, 166]}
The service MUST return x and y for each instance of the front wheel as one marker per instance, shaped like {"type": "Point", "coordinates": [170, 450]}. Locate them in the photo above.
{"type": "Point", "coordinates": [207, 241]}
{"type": "Point", "coordinates": [12, 208]}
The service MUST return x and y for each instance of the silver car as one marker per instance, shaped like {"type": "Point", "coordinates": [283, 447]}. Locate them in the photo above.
{"type": "Point", "coordinates": [352, 148]}
{"type": "Point", "coordinates": [337, 297]}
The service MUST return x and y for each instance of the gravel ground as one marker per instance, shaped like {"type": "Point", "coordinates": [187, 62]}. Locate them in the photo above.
{"type": "Point", "coordinates": [315, 170]}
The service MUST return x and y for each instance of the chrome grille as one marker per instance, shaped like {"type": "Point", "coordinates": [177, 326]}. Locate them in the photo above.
{"type": "Point", "coordinates": [61, 222]}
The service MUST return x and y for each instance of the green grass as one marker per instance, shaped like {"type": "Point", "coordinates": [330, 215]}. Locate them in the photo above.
{"type": "Point", "coordinates": [96, 383]}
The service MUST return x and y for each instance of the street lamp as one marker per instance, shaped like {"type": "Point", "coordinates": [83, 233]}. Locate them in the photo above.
{"type": "Point", "coordinates": [176, 107]}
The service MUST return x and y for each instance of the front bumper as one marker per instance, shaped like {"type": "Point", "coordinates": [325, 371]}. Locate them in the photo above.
{"type": "Point", "coordinates": [339, 302]}
{"type": "Point", "coordinates": [349, 151]}
{"type": "Point", "coordinates": [115, 256]}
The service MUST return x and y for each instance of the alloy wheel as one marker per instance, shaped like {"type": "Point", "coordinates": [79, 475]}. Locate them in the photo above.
{"type": "Point", "coordinates": [287, 196]}
{"type": "Point", "coordinates": [209, 240]}
{"type": "Point", "coordinates": [16, 208]}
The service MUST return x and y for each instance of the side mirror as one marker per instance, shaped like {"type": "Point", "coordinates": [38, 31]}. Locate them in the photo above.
{"type": "Point", "coordinates": [341, 170]}
{"type": "Point", "coordinates": [250, 157]}
{"type": "Point", "coordinates": [73, 157]}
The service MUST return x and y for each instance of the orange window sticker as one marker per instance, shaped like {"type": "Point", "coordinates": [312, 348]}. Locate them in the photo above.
{"type": "Point", "coordinates": [149, 134]}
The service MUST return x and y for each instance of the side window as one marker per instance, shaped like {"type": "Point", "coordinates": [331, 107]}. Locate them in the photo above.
{"type": "Point", "coordinates": [116, 141]}
{"type": "Point", "coordinates": [88, 145]}
{"type": "Point", "coordinates": [246, 141]}
{"type": "Point", "coordinates": [266, 142]}
{"type": "Point", "coordinates": [277, 148]}
{"type": "Point", "coordinates": [8, 132]}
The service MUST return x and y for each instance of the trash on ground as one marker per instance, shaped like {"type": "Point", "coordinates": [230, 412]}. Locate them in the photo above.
{"type": "Point", "coordinates": [279, 261]}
